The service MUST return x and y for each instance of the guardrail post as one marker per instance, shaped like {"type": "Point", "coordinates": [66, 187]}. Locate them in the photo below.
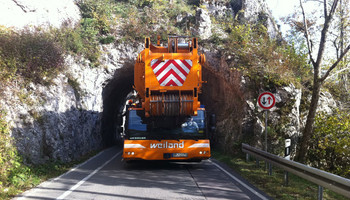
{"type": "Point", "coordinates": [320, 193]}
{"type": "Point", "coordinates": [285, 178]}
{"type": "Point", "coordinates": [247, 157]}
{"type": "Point", "coordinates": [286, 156]}
{"type": "Point", "coordinates": [257, 163]}
{"type": "Point", "coordinates": [270, 169]}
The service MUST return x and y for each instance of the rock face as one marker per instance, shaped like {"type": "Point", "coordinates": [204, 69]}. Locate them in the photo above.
{"type": "Point", "coordinates": [326, 103]}
{"type": "Point", "coordinates": [21, 13]}
{"type": "Point", "coordinates": [233, 98]}
{"type": "Point", "coordinates": [49, 122]}
{"type": "Point", "coordinates": [247, 11]}
{"type": "Point", "coordinates": [203, 24]}
{"type": "Point", "coordinates": [63, 121]}
{"type": "Point", "coordinates": [218, 8]}
{"type": "Point", "coordinates": [257, 11]}
{"type": "Point", "coordinates": [223, 96]}
{"type": "Point", "coordinates": [291, 95]}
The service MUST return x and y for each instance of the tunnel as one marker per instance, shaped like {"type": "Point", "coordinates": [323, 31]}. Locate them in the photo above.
{"type": "Point", "coordinates": [114, 96]}
{"type": "Point", "coordinates": [221, 96]}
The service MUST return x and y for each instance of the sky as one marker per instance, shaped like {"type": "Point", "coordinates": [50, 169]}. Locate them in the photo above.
{"type": "Point", "coordinates": [282, 8]}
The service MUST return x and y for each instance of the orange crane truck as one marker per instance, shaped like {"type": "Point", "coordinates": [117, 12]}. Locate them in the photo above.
{"type": "Point", "coordinates": [167, 122]}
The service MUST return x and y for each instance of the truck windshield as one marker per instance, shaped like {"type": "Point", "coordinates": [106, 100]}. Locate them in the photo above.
{"type": "Point", "coordinates": [191, 127]}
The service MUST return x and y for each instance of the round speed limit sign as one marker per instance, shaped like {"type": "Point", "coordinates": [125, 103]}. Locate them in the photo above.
{"type": "Point", "coordinates": [266, 100]}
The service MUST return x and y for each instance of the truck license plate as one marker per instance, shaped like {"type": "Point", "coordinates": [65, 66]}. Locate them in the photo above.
{"type": "Point", "coordinates": [180, 155]}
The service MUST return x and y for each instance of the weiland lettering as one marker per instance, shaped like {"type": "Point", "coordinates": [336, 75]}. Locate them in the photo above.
{"type": "Point", "coordinates": [167, 145]}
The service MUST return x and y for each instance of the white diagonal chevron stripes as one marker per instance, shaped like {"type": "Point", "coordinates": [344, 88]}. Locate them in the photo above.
{"type": "Point", "coordinates": [171, 72]}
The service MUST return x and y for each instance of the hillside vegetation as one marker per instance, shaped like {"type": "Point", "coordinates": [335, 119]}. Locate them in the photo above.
{"type": "Point", "coordinates": [37, 56]}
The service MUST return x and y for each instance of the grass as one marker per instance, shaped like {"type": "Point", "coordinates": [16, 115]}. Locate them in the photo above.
{"type": "Point", "coordinates": [298, 188]}
{"type": "Point", "coordinates": [27, 177]}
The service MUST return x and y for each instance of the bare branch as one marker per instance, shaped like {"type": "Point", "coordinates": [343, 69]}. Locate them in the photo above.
{"type": "Point", "coordinates": [324, 31]}
{"type": "Point", "coordinates": [306, 34]}
{"type": "Point", "coordinates": [325, 9]}
{"type": "Point", "coordinates": [334, 6]}
{"type": "Point", "coordinates": [338, 72]}
{"type": "Point", "coordinates": [335, 64]}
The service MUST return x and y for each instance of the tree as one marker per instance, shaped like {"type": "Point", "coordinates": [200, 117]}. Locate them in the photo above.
{"type": "Point", "coordinates": [318, 78]}
{"type": "Point", "coordinates": [341, 40]}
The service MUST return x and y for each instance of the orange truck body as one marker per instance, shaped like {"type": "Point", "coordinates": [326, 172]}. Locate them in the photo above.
{"type": "Point", "coordinates": [168, 81]}
{"type": "Point", "coordinates": [158, 150]}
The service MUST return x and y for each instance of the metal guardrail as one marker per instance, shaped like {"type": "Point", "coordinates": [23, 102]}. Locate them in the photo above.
{"type": "Point", "coordinates": [333, 182]}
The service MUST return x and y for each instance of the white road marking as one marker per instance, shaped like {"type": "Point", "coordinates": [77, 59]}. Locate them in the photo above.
{"type": "Point", "coordinates": [77, 166]}
{"type": "Point", "coordinates": [55, 179]}
{"type": "Point", "coordinates": [86, 178]}
{"type": "Point", "coordinates": [239, 181]}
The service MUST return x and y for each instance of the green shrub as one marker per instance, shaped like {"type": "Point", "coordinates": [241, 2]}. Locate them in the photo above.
{"type": "Point", "coordinates": [33, 55]}
{"type": "Point", "coordinates": [70, 39]}
{"type": "Point", "coordinates": [107, 39]}
{"type": "Point", "coordinates": [88, 29]}
{"type": "Point", "coordinates": [330, 143]}
{"type": "Point", "coordinates": [99, 10]}
{"type": "Point", "coordinates": [9, 160]}
{"type": "Point", "coordinates": [95, 27]}
{"type": "Point", "coordinates": [81, 40]}
{"type": "Point", "coordinates": [140, 19]}
{"type": "Point", "coordinates": [122, 10]}
{"type": "Point", "coordinates": [268, 62]}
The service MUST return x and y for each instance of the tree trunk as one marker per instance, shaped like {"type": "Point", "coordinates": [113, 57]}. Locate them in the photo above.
{"type": "Point", "coordinates": [307, 133]}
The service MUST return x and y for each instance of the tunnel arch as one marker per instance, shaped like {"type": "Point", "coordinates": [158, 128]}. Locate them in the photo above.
{"type": "Point", "coordinates": [114, 95]}
{"type": "Point", "coordinates": [221, 95]}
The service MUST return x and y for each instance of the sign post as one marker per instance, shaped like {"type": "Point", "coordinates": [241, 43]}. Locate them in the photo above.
{"type": "Point", "coordinates": [266, 101]}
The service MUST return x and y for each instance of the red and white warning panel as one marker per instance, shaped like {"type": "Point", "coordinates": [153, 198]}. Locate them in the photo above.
{"type": "Point", "coordinates": [171, 72]}
{"type": "Point", "coordinates": [266, 100]}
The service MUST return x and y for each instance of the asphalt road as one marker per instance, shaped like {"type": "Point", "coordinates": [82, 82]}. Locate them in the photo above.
{"type": "Point", "coordinates": [105, 176]}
